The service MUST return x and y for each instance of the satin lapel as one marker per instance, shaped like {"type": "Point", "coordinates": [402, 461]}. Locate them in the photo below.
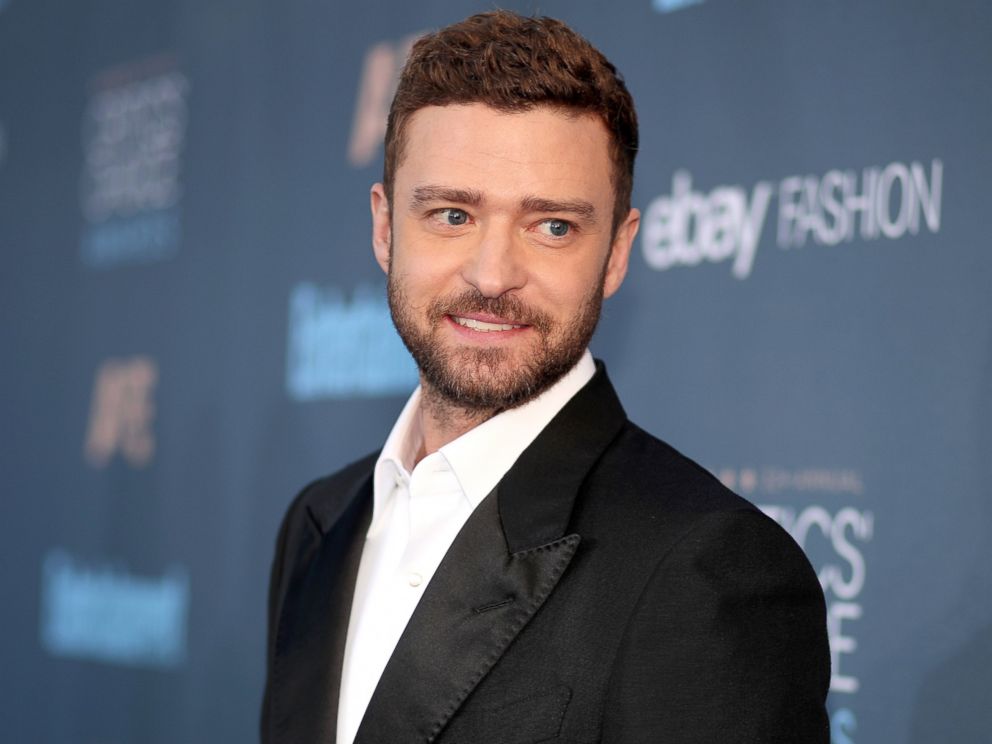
{"type": "Point", "coordinates": [537, 494]}
{"type": "Point", "coordinates": [313, 625]}
{"type": "Point", "coordinates": [477, 602]}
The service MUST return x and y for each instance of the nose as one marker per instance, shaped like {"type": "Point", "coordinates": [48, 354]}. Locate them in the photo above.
{"type": "Point", "coordinates": [496, 264]}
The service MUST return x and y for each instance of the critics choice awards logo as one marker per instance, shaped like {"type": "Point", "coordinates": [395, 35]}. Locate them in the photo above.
{"type": "Point", "coordinates": [816, 506]}
{"type": "Point", "coordinates": [134, 129]}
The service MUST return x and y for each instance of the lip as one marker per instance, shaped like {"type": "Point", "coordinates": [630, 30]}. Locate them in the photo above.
{"type": "Point", "coordinates": [480, 336]}
{"type": "Point", "coordinates": [487, 318]}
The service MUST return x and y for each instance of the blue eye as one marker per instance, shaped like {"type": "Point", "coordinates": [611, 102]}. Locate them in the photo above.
{"type": "Point", "coordinates": [454, 216]}
{"type": "Point", "coordinates": [557, 228]}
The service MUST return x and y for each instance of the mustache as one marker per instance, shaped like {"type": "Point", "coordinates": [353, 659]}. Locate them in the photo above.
{"type": "Point", "coordinates": [507, 306]}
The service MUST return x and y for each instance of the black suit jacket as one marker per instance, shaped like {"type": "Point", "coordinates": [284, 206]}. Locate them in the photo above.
{"type": "Point", "coordinates": [608, 590]}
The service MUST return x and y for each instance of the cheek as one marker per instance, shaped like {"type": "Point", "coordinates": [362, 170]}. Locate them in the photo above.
{"type": "Point", "coordinates": [566, 287]}
{"type": "Point", "coordinates": [421, 278]}
{"type": "Point", "coordinates": [425, 264]}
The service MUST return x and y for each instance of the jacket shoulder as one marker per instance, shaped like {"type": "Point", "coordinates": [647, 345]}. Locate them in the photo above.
{"type": "Point", "coordinates": [331, 493]}
{"type": "Point", "coordinates": [654, 475]}
{"type": "Point", "coordinates": [725, 610]}
{"type": "Point", "coordinates": [647, 490]}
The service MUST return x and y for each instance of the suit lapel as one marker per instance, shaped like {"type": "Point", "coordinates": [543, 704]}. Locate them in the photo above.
{"type": "Point", "coordinates": [538, 493]}
{"type": "Point", "coordinates": [478, 600]}
{"type": "Point", "coordinates": [313, 624]}
{"type": "Point", "coordinates": [502, 566]}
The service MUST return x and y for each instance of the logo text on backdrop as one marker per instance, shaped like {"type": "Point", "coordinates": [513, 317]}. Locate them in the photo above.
{"type": "Point", "coordinates": [814, 505]}
{"type": "Point", "coordinates": [134, 130]}
{"type": "Point", "coordinates": [689, 227]}
{"type": "Point", "coordinates": [342, 348]}
{"type": "Point", "coordinates": [380, 74]}
{"type": "Point", "coordinates": [122, 412]}
{"type": "Point", "coordinates": [105, 613]}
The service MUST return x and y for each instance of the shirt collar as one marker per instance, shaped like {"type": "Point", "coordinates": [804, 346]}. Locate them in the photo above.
{"type": "Point", "coordinates": [398, 454]}
{"type": "Point", "coordinates": [480, 457]}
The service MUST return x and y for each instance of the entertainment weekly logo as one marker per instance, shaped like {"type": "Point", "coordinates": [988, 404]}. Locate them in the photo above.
{"type": "Point", "coordinates": [104, 612]}
{"type": "Point", "coordinates": [344, 347]}
{"type": "Point", "coordinates": [689, 227]}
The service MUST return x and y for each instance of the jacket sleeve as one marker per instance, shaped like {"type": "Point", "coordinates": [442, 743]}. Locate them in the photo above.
{"type": "Point", "coordinates": [728, 643]}
{"type": "Point", "coordinates": [274, 603]}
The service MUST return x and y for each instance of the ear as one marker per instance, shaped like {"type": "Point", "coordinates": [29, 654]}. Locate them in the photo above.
{"type": "Point", "coordinates": [616, 267]}
{"type": "Point", "coordinates": [382, 229]}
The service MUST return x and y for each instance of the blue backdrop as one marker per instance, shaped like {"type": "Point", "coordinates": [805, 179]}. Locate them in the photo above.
{"type": "Point", "coordinates": [193, 326]}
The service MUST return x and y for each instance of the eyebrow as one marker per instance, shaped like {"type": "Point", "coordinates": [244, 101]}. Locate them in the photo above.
{"type": "Point", "coordinates": [577, 207]}
{"type": "Point", "coordinates": [424, 195]}
{"type": "Point", "coordinates": [429, 194]}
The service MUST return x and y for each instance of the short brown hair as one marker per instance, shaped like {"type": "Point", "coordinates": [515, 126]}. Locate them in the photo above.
{"type": "Point", "coordinates": [514, 63]}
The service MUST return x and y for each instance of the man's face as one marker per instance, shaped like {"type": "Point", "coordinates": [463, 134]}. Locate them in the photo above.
{"type": "Point", "coordinates": [498, 248]}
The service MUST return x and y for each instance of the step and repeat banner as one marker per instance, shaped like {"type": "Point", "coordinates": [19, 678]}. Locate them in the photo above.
{"type": "Point", "coordinates": [193, 326]}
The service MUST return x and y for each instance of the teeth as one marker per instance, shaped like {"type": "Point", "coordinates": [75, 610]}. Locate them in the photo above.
{"type": "Point", "coordinates": [478, 325]}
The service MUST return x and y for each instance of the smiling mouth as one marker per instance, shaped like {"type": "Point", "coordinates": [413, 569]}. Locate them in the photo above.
{"type": "Point", "coordinates": [483, 326]}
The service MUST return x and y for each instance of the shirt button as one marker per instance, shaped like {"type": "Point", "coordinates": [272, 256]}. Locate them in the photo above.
{"type": "Point", "coordinates": [415, 579]}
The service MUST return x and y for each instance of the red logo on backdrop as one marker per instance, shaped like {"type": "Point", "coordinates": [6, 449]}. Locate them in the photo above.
{"type": "Point", "coordinates": [122, 412]}
{"type": "Point", "coordinates": [380, 73]}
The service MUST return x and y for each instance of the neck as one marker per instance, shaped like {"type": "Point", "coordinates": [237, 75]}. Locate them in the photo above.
{"type": "Point", "coordinates": [442, 422]}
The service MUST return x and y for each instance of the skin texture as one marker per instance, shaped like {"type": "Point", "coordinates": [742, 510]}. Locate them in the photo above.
{"type": "Point", "coordinates": [497, 218]}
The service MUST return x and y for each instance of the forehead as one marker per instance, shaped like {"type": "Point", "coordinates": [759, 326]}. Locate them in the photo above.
{"type": "Point", "coordinates": [544, 151]}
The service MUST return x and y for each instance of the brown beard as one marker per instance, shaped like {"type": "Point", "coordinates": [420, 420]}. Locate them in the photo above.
{"type": "Point", "coordinates": [482, 380]}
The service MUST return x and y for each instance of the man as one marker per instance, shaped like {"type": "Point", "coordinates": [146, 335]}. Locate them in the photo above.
{"type": "Point", "coordinates": [521, 563]}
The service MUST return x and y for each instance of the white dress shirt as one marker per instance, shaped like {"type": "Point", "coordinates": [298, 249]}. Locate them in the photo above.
{"type": "Point", "coordinates": [418, 509]}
